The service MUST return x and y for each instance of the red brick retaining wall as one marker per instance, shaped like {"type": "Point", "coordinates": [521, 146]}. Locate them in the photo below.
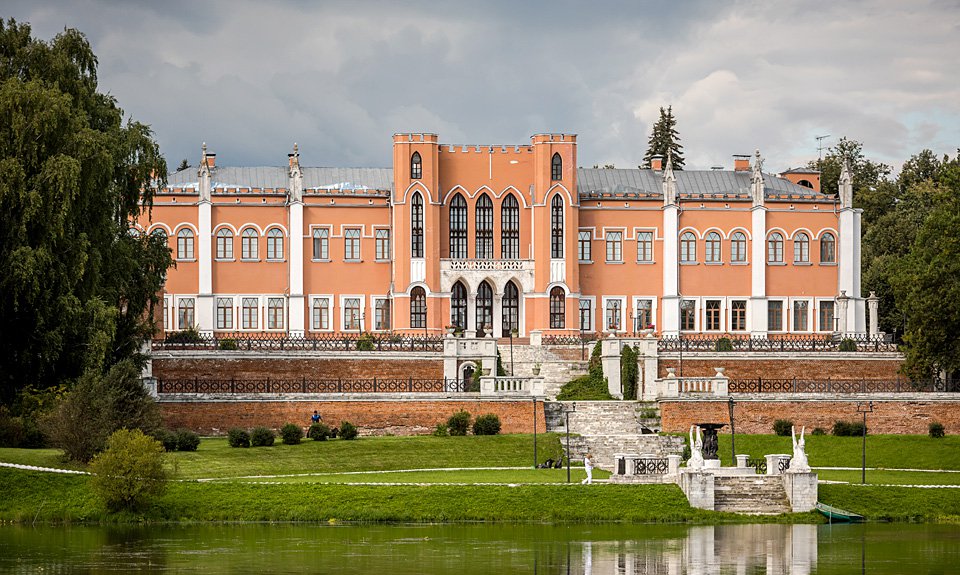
{"type": "Point", "coordinates": [786, 368]}
{"type": "Point", "coordinates": [221, 367]}
{"type": "Point", "coordinates": [377, 417]}
{"type": "Point", "coordinates": [757, 416]}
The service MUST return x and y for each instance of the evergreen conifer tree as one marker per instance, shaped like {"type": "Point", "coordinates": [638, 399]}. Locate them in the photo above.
{"type": "Point", "coordinates": [663, 139]}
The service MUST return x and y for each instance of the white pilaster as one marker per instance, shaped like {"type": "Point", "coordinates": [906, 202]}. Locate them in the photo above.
{"type": "Point", "coordinates": [848, 259]}
{"type": "Point", "coordinates": [670, 306]}
{"type": "Point", "coordinates": [498, 315]}
{"type": "Point", "coordinates": [205, 300]}
{"type": "Point", "coordinates": [296, 300]}
{"type": "Point", "coordinates": [758, 272]}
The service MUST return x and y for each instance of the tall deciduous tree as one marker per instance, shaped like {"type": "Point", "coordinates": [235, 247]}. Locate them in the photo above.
{"type": "Point", "coordinates": [664, 140]}
{"type": "Point", "coordinates": [77, 287]}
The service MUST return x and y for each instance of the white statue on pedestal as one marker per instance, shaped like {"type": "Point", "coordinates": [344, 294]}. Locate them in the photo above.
{"type": "Point", "coordinates": [696, 448]}
{"type": "Point", "coordinates": [799, 462]}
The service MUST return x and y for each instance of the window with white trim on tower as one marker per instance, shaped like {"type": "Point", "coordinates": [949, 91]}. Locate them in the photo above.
{"type": "Point", "coordinates": [458, 227]}
{"type": "Point", "coordinates": [584, 245]}
{"type": "Point", "coordinates": [416, 225]}
{"type": "Point", "coordinates": [418, 308]}
{"type": "Point", "coordinates": [416, 166]}
{"type": "Point", "coordinates": [484, 215]}
{"type": "Point", "coordinates": [510, 228]}
{"type": "Point", "coordinates": [556, 227]}
{"type": "Point", "coordinates": [458, 306]}
{"type": "Point", "coordinates": [558, 308]}
{"type": "Point", "coordinates": [556, 167]}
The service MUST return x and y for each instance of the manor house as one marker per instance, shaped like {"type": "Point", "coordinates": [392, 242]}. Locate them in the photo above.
{"type": "Point", "coordinates": [505, 238]}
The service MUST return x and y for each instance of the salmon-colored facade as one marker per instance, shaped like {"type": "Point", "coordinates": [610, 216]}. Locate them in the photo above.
{"type": "Point", "coordinates": [507, 237]}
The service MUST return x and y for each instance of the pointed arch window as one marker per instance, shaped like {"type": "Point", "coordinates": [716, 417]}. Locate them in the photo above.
{"type": "Point", "coordinates": [484, 305]}
{"type": "Point", "coordinates": [418, 307]}
{"type": "Point", "coordinates": [458, 306]}
{"type": "Point", "coordinates": [416, 226]}
{"type": "Point", "coordinates": [556, 167]}
{"type": "Point", "coordinates": [458, 227]}
{"type": "Point", "coordinates": [801, 248]}
{"type": "Point", "coordinates": [828, 249]}
{"type": "Point", "coordinates": [484, 228]}
{"type": "Point", "coordinates": [510, 228]}
{"type": "Point", "coordinates": [556, 227]}
{"type": "Point", "coordinates": [416, 166]}
{"type": "Point", "coordinates": [558, 308]}
{"type": "Point", "coordinates": [511, 308]}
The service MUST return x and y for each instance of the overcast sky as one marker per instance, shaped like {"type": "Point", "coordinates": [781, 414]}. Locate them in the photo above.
{"type": "Point", "coordinates": [339, 78]}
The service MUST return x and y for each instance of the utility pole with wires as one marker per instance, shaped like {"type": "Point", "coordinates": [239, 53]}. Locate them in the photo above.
{"type": "Point", "coordinates": [820, 140]}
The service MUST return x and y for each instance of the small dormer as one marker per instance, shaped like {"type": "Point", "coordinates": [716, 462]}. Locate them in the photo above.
{"type": "Point", "coordinates": [805, 177]}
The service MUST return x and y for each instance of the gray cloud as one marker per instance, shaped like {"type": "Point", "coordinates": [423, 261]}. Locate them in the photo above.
{"type": "Point", "coordinates": [340, 77]}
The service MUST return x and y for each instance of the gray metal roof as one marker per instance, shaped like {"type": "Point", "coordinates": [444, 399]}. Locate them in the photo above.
{"type": "Point", "coordinates": [689, 182]}
{"type": "Point", "coordinates": [275, 177]}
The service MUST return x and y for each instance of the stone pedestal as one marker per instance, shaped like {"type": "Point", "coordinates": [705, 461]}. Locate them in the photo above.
{"type": "Point", "coordinates": [699, 489]}
{"type": "Point", "coordinates": [742, 460]}
{"type": "Point", "coordinates": [773, 463]}
{"type": "Point", "coordinates": [801, 490]}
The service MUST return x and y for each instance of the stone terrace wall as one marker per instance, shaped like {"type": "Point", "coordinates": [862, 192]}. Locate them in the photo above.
{"type": "Point", "coordinates": [384, 415]}
{"type": "Point", "coordinates": [254, 365]}
{"type": "Point", "coordinates": [786, 365]}
{"type": "Point", "coordinates": [903, 414]}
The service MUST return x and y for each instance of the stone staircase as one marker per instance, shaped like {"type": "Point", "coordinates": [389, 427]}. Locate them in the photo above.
{"type": "Point", "coordinates": [754, 494]}
{"type": "Point", "coordinates": [555, 370]}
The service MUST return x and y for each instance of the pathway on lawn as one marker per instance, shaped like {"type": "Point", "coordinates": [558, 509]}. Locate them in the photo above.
{"type": "Point", "coordinates": [44, 469]}
{"type": "Point", "coordinates": [382, 471]}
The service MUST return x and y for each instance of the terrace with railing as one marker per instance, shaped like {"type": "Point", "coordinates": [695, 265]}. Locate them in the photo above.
{"type": "Point", "coordinates": [314, 342]}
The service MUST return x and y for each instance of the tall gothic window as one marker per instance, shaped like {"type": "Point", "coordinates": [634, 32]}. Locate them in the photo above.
{"type": "Point", "coordinates": [511, 308]}
{"type": "Point", "coordinates": [418, 307]}
{"type": "Point", "coordinates": [416, 226]}
{"type": "Point", "coordinates": [510, 228]}
{"type": "Point", "coordinates": [458, 306]}
{"type": "Point", "coordinates": [556, 227]}
{"type": "Point", "coordinates": [556, 167]}
{"type": "Point", "coordinates": [558, 308]}
{"type": "Point", "coordinates": [458, 227]}
{"type": "Point", "coordinates": [484, 228]}
{"type": "Point", "coordinates": [416, 166]}
{"type": "Point", "coordinates": [484, 305]}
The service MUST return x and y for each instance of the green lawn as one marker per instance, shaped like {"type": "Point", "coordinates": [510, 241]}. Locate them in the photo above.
{"type": "Point", "coordinates": [895, 503]}
{"type": "Point", "coordinates": [887, 477]}
{"type": "Point", "coordinates": [470, 476]}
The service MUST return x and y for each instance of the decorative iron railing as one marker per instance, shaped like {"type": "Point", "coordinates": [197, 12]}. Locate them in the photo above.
{"type": "Point", "coordinates": [650, 467]}
{"type": "Point", "coordinates": [785, 343]}
{"type": "Point", "coordinates": [305, 385]}
{"type": "Point", "coordinates": [570, 339]}
{"type": "Point", "coordinates": [312, 342]}
{"type": "Point", "coordinates": [760, 385]}
{"type": "Point", "coordinates": [783, 464]}
{"type": "Point", "coordinates": [759, 464]}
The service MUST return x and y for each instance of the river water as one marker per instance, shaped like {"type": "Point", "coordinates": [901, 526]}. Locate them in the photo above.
{"type": "Point", "coordinates": [487, 549]}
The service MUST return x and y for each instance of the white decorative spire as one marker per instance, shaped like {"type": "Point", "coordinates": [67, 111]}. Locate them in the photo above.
{"type": "Point", "coordinates": [756, 180]}
{"type": "Point", "coordinates": [203, 176]}
{"type": "Point", "coordinates": [296, 176]}
{"type": "Point", "coordinates": [846, 185]}
{"type": "Point", "coordinates": [669, 183]}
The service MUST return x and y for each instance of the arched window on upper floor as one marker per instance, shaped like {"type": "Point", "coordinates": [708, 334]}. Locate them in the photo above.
{"type": "Point", "coordinates": [688, 247]}
{"type": "Point", "coordinates": [458, 306]}
{"type": "Point", "coordinates": [713, 253]}
{"type": "Point", "coordinates": [185, 244]}
{"type": "Point", "coordinates": [510, 228]}
{"type": "Point", "coordinates": [416, 166]}
{"type": "Point", "coordinates": [556, 227]}
{"type": "Point", "coordinates": [458, 227]}
{"type": "Point", "coordinates": [274, 244]}
{"type": "Point", "coordinates": [484, 232]}
{"type": "Point", "coordinates": [556, 167]}
{"type": "Point", "coordinates": [738, 248]}
{"type": "Point", "coordinates": [249, 244]}
{"type": "Point", "coordinates": [416, 225]}
{"type": "Point", "coordinates": [828, 249]}
{"type": "Point", "coordinates": [418, 308]}
{"type": "Point", "coordinates": [558, 308]}
{"type": "Point", "coordinates": [224, 244]}
{"type": "Point", "coordinates": [775, 248]}
{"type": "Point", "coordinates": [801, 248]}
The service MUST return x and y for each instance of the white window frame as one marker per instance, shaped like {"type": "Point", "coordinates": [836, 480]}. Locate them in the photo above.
{"type": "Point", "coordinates": [325, 242]}
{"type": "Point", "coordinates": [697, 310]}
{"type": "Point", "coordinates": [273, 242]}
{"type": "Point", "coordinates": [785, 311]}
{"type": "Point", "coordinates": [255, 239]}
{"type": "Point", "coordinates": [168, 310]}
{"type": "Point", "coordinates": [773, 256]}
{"type": "Point", "coordinates": [176, 311]}
{"type": "Point", "coordinates": [267, 315]}
{"type": "Point", "coordinates": [817, 325]}
{"type": "Point", "coordinates": [376, 299]}
{"type": "Point", "coordinates": [811, 315]}
{"type": "Point", "coordinates": [377, 241]}
{"type": "Point", "coordinates": [330, 311]}
{"type": "Point", "coordinates": [257, 318]}
{"type": "Point", "coordinates": [623, 313]}
{"type": "Point", "coordinates": [359, 255]}
{"type": "Point", "coordinates": [216, 312]}
{"type": "Point", "coordinates": [723, 313]}
{"type": "Point", "coordinates": [189, 252]}
{"type": "Point", "coordinates": [653, 309]}
{"type": "Point", "coordinates": [589, 244]}
{"type": "Point", "coordinates": [617, 245]}
{"type": "Point", "coordinates": [796, 244]}
{"type": "Point", "coordinates": [682, 252]}
{"type": "Point", "coordinates": [746, 249]}
{"type": "Point", "coordinates": [706, 248]}
{"type": "Point", "coordinates": [592, 300]}
{"type": "Point", "coordinates": [343, 312]}
{"type": "Point", "coordinates": [653, 240]}
{"type": "Point", "coordinates": [746, 314]}
{"type": "Point", "coordinates": [227, 254]}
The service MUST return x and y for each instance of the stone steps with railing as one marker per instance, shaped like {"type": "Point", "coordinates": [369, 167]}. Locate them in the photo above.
{"type": "Point", "coordinates": [754, 494]}
{"type": "Point", "coordinates": [525, 359]}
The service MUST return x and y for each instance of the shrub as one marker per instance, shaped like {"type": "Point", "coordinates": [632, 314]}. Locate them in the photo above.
{"type": "Point", "coordinates": [11, 429]}
{"type": "Point", "coordinates": [189, 335]}
{"type": "Point", "coordinates": [365, 343]}
{"type": "Point", "coordinates": [500, 371]}
{"type": "Point", "coordinates": [629, 372]}
{"type": "Point", "coordinates": [348, 430]}
{"type": "Point", "coordinates": [458, 423]}
{"type": "Point", "coordinates": [782, 427]}
{"type": "Point", "coordinates": [237, 437]}
{"type": "Point", "coordinates": [261, 437]}
{"type": "Point", "coordinates": [187, 440]}
{"type": "Point", "coordinates": [595, 367]}
{"type": "Point", "coordinates": [818, 431]}
{"type": "Point", "coordinates": [936, 430]}
{"type": "Point", "coordinates": [847, 344]}
{"type": "Point", "coordinates": [167, 439]}
{"type": "Point", "coordinates": [648, 413]}
{"type": "Point", "coordinates": [723, 344]}
{"type": "Point", "coordinates": [586, 388]}
{"type": "Point", "coordinates": [848, 429]}
{"type": "Point", "coordinates": [686, 453]}
{"type": "Point", "coordinates": [228, 344]}
{"type": "Point", "coordinates": [488, 424]}
{"type": "Point", "coordinates": [291, 434]}
{"type": "Point", "coordinates": [130, 472]}
{"type": "Point", "coordinates": [441, 430]}
{"type": "Point", "coordinates": [334, 432]}
{"type": "Point", "coordinates": [318, 431]}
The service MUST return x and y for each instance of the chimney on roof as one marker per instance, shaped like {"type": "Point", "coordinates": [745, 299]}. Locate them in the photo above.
{"type": "Point", "coordinates": [210, 159]}
{"type": "Point", "coordinates": [741, 162]}
{"type": "Point", "coordinates": [656, 163]}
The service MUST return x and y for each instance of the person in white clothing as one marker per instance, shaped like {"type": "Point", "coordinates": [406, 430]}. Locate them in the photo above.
{"type": "Point", "coordinates": [588, 465]}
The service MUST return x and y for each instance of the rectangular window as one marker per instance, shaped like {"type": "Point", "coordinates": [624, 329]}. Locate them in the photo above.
{"type": "Point", "coordinates": [167, 324]}
{"type": "Point", "coordinates": [644, 317]}
{"type": "Point", "coordinates": [249, 309]}
{"type": "Point", "coordinates": [738, 315]}
{"type": "Point", "coordinates": [224, 313]}
{"type": "Point", "coordinates": [800, 315]}
{"type": "Point", "coordinates": [321, 313]}
{"type": "Point", "coordinates": [644, 246]}
{"type": "Point", "coordinates": [774, 316]}
{"type": "Point", "coordinates": [381, 312]}
{"type": "Point", "coordinates": [383, 244]}
{"type": "Point", "coordinates": [614, 314]}
{"type": "Point", "coordinates": [185, 313]}
{"type": "Point", "coordinates": [713, 315]}
{"type": "Point", "coordinates": [351, 313]}
{"type": "Point", "coordinates": [275, 313]}
{"type": "Point", "coordinates": [586, 315]}
{"type": "Point", "coordinates": [583, 246]}
{"type": "Point", "coordinates": [688, 315]}
{"type": "Point", "coordinates": [827, 322]}
{"type": "Point", "coordinates": [321, 244]}
{"type": "Point", "coordinates": [614, 246]}
{"type": "Point", "coordinates": [351, 244]}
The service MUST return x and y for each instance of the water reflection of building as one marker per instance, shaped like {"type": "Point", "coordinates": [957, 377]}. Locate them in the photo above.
{"type": "Point", "coordinates": [739, 549]}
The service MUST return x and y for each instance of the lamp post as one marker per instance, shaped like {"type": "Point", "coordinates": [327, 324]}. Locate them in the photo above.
{"type": "Point", "coordinates": [566, 414]}
{"type": "Point", "coordinates": [864, 409]}
{"type": "Point", "coordinates": [733, 432]}
{"type": "Point", "coordinates": [534, 398]}
{"type": "Point", "coordinates": [513, 332]}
